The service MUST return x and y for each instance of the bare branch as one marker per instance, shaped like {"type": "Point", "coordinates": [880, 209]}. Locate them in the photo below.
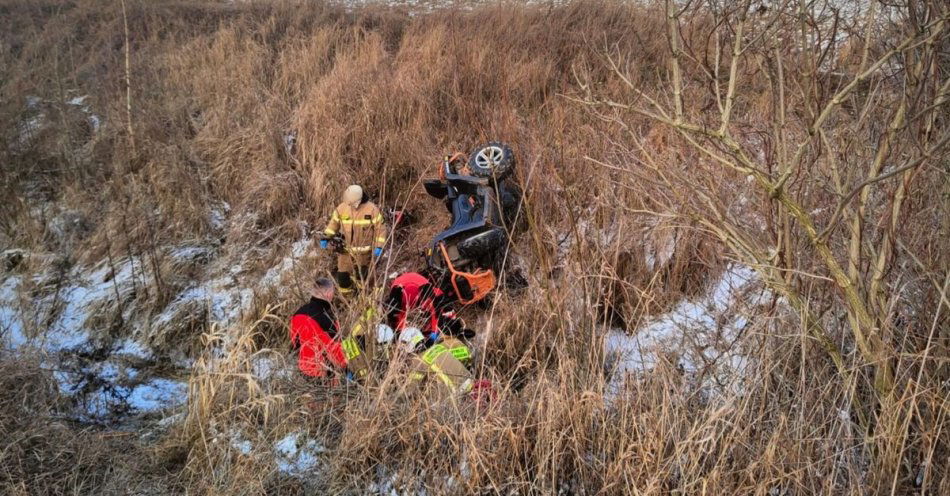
{"type": "Point", "coordinates": [733, 72]}
{"type": "Point", "coordinates": [673, 21]}
{"type": "Point", "coordinates": [882, 177]}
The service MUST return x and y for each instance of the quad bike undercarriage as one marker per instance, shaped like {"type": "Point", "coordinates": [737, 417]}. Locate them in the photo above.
{"type": "Point", "coordinates": [483, 204]}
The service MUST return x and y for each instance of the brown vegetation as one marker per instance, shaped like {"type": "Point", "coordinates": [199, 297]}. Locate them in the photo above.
{"type": "Point", "coordinates": [694, 138]}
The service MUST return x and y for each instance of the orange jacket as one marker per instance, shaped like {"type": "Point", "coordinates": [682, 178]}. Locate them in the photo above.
{"type": "Point", "coordinates": [312, 329]}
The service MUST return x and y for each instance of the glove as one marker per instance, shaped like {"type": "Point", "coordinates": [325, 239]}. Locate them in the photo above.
{"type": "Point", "coordinates": [384, 334]}
{"type": "Point", "coordinates": [377, 252]}
{"type": "Point", "coordinates": [432, 339]}
{"type": "Point", "coordinates": [323, 244]}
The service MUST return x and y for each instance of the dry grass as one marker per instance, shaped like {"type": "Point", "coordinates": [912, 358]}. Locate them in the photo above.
{"type": "Point", "coordinates": [45, 453]}
{"type": "Point", "coordinates": [375, 95]}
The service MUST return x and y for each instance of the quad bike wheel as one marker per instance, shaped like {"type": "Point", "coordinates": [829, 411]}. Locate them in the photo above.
{"type": "Point", "coordinates": [509, 200]}
{"type": "Point", "coordinates": [483, 244]}
{"type": "Point", "coordinates": [492, 160]}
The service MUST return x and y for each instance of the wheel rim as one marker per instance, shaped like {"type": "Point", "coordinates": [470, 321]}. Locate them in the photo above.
{"type": "Point", "coordinates": [489, 157]}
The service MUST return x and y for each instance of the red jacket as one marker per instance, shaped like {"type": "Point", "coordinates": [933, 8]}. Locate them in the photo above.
{"type": "Point", "coordinates": [412, 291]}
{"type": "Point", "coordinates": [312, 329]}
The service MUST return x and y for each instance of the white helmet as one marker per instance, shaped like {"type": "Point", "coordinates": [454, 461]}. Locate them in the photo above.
{"type": "Point", "coordinates": [353, 195]}
{"type": "Point", "coordinates": [410, 337]}
{"type": "Point", "coordinates": [384, 334]}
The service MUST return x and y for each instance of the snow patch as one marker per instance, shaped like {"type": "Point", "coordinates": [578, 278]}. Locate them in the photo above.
{"type": "Point", "coordinates": [297, 251]}
{"type": "Point", "coordinates": [702, 337]}
{"type": "Point", "coordinates": [11, 323]}
{"type": "Point", "coordinates": [172, 420]}
{"type": "Point", "coordinates": [27, 131]}
{"type": "Point", "coordinates": [158, 393]}
{"type": "Point", "coordinates": [105, 391]}
{"type": "Point", "coordinates": [297, 454]}
{"type": "Point", "coordinates": [229, 305]}
{"type": "Point", "coordinates": [191, 254]}
{"type": "Point", "coordinates": [93, 119]}
{"type": "Point", "coordinates": [224, 299]}
{"type": "Point", "coordinates": [219, 215]}
{"type": "Point", "coordinates": [29, 128]}
{"type": "Point", "coordinates": [182, 308]}
{"type": "Point", "coordinates": [92, 372]}
{"type": "Point", "coordinates": [243, 445]}
{"type": "Point", "coordinates": [105, 286]}
{"type": "Point", "coordinates": [234, 438]}
{"type": "Point", "coordinates": [266, 367]}
{"type": "Point", "coordinates": [65, 319]}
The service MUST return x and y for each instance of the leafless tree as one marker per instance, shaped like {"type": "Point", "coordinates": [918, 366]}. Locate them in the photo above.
{"type": "Point", "coordinates": [811, 139]}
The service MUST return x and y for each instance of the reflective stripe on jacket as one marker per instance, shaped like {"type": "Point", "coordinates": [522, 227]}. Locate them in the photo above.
{"type": "Point", "coordinates": [362, 227]}
{"type": "Point", "coordinates": [442, 363]}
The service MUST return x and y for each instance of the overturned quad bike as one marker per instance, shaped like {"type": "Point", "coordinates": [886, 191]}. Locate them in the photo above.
{"type": "Point", "coordinates": [483, 202]}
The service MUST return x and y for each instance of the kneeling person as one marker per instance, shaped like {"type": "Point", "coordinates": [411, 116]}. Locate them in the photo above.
{"type": "Point", "coordinates": [313, 329]}
{"type": "Point", "coordinates": [413, 292]}
{"type": "Point", "coordinates": [446, 361]}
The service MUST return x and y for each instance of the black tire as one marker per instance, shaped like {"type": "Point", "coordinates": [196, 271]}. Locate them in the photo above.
{"type": "Point", "coordinates": [509, 195]}
{"type": "Point", "coordinates": [493, 160]}
{"type": "Point", "coordinates": [483, 244]}
{"type": "Point", "coordinates": [505, 200]}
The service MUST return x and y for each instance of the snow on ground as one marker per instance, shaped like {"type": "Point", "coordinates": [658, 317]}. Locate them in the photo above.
{"type": "Point", "coordinates": [218, 216]}
{"type": "Point", "coordinates": [297, 251]}
{"type": "Point", "coordinates": [702, 337]}
{"type": "Point", "coordinates": [240, 443]}
{"type": "Point", "coordinates": [267, 365]}
{"type": "Point", "coordinates": [109, 390]}
{"type": "Point", "coordinates": [11, 323]}
{"type": "Point", "coordinates": [191, 253]}
{"type": "Point", "coordinates": [220, 299]}
{"type": "Point", "coordinates": [88, 294]}
{"type": "Point", "coordinates": [29, 128]}
{"type": "Point", "coordinates": [157, 393]}
{"type": "Point", "coordinates": [64, 322]}
{"type": "Point", "coordinates": [297, 454]}
{"type": "Point", "coordinates": [80, 102]}
{"type": "Point", "coordinates": [657, 238]}
{"type": "Point", "coordinates": [96, 374]}
{"type": "Point", "coordinates": [225, 298]}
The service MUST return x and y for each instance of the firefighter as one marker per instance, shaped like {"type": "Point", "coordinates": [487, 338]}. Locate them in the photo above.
{"type": "Point", "coordinates": [447, 362]}
{"type": "Point", "coordinates": [313, 329]}
{"type": "Point", "coordinates": [359, 222]}
{"type": "Point", "coordinates": [360, 350]}
{"type": "Point", "coordinates": [412, 292]}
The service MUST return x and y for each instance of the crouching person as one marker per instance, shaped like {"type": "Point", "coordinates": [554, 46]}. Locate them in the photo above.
{"type": "Point", "coordinates": [363, 348]}
{"type": "Point", "coordinates": [313, 331]}
{"type": "Point", "coordinates": [413, 293]}
{"type": "Point", "coordinates": [446, 363]}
